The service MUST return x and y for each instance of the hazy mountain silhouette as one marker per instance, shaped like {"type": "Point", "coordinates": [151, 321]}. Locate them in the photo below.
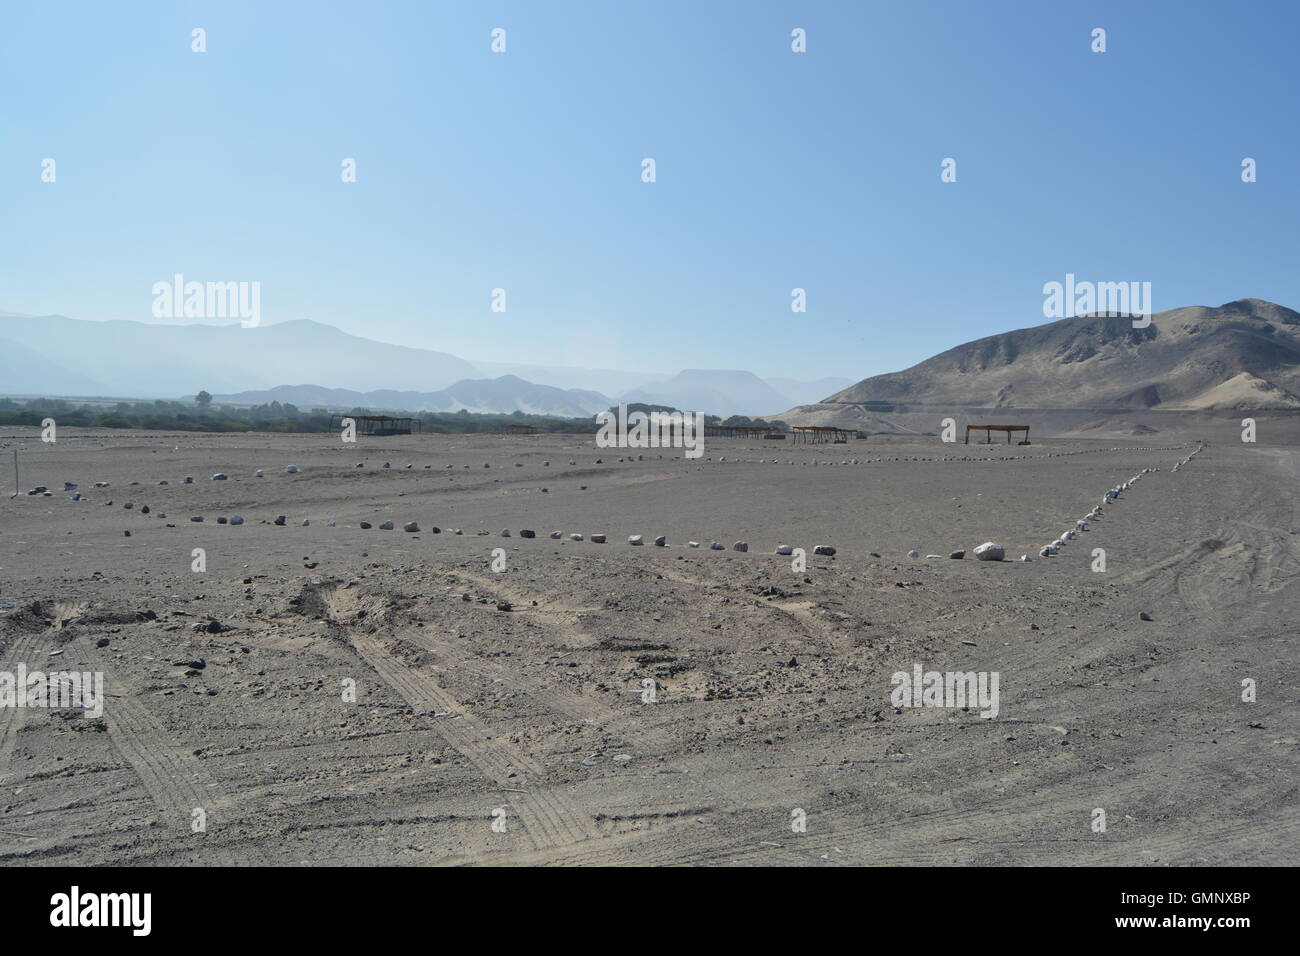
{"type": "Point", "coordinates": [497, 395]}
{"type": "Point", "coordinates": [53, 355]}
{"type": "Point", "coordinates": [148, 360]}
{"type": "Point", "coordinates": [716, 392]}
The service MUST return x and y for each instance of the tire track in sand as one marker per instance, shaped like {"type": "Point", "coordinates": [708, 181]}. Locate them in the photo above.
{"type": "Point", "coordinates": [556, 699]}
{"type": "Point", "coordinates": [550, 818]}
{"type": "Point", "coordinates": [647, 738]}
{"type": "Point", "coordinates": [169, 771]}
{"type": "Point", "coordinates": [22, 649]}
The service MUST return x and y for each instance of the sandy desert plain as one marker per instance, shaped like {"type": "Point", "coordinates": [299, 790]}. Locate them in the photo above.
{"type": "Point", "coordinates": [772, 686]}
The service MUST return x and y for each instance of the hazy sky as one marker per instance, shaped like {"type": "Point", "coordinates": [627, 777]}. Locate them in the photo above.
{"type": "Point", "coordinates": [523, 170]}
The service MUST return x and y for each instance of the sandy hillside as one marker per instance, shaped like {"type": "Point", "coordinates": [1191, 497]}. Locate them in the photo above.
{"type": "Point", "coordinates": [1180, 359]}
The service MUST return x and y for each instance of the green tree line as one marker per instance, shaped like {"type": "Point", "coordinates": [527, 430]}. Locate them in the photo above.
{"type": "Point", "coordinates": [202, 416]}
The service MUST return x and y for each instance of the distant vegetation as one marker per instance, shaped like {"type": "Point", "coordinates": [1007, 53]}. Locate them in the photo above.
{"type": "Point", "coordinates": [199, 416]}
{"type": "Point", "coordinates": [775, 424]}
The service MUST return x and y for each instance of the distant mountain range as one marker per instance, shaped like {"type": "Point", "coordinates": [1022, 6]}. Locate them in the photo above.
{"type": "Point", "coordinates": [731, 392]}
{"type": "Point", "coordinates": [1242, 355]}
{"type": "Point", "coordinates": [55, 356]}
{"type": "Point", "coordinates": [492, 395]}
{"type": "Point", "coordinates": [718, 392]}
{"type": "Point", "coordinates": [156, 361]}
{"type": "Point", "coordinates": [607, 381]}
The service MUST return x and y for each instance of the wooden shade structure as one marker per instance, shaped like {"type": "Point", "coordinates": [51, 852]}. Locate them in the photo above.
{"type": "Point", "coordinates": [377, 425]}
{"type": "Point", "coordinates": [821, 434]}
{"type": "Point", "coordinates": [737, 431]}
{"type": "Point", "coordinates": [990, 429]}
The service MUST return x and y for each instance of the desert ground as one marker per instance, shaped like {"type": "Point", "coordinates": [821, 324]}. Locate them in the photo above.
{"type": "Point", "coordinates": [502, 717]}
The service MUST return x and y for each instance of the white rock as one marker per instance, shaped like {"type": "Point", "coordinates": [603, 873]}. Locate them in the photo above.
{"type": "Point", "coordinates": [989, 551]}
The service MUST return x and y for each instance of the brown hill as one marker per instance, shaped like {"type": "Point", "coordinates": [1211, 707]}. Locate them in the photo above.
{"type": "Point", "coordinates": [1244, 355]}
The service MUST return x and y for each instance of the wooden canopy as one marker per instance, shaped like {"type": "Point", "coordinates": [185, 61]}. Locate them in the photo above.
{"type": "Point", "coordinates": [378, 424]}
{"type": "Point", "coordinates": [990, 429]}
{"type": "Point", "coordinates": [820, 434]}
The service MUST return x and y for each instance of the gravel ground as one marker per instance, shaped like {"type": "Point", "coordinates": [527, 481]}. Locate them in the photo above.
{"type": "Point", "coordinates": [323, 693]}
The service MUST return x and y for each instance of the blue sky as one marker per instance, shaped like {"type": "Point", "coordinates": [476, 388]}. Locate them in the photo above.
{"type": "Point", "coordinates": [775, 170]}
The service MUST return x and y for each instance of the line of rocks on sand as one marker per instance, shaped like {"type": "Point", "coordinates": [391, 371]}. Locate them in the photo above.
{"type": "Point", "coordinates": [387, 466]}
{"type": "Point", "coordinates": [984, 552]}
{"type": "Point", "coordinates": [988, 551]}
{"type": "Point", "coordinates": [1098, 512]}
